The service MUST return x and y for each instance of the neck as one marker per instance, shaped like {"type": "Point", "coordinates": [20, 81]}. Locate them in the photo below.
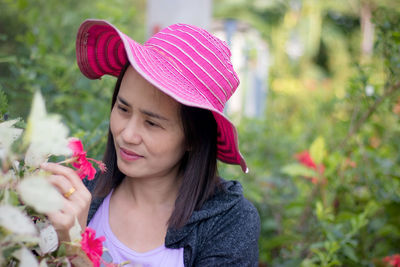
{"type": "Point", "coordinates": [151, 192]}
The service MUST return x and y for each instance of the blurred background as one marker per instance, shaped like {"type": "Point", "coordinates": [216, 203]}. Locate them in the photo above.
{"type": "Point", "coordinates": [317, 110]}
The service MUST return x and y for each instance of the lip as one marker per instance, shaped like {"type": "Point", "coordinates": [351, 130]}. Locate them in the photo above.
{"type": "Point", "coordinates": [128, 155]}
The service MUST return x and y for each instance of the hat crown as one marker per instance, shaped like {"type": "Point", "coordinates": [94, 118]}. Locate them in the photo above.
{"type": "Point", "coordinates": [185, 62]}
{"type": "Point", "coordinates": [204, 60]}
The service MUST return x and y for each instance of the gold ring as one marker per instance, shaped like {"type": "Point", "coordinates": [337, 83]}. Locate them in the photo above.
{"type": "Point", "coordinates": [70, 192]}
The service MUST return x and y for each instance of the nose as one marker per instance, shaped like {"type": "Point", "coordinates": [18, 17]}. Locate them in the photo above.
{"type": "Point", "coordinates": [131, 133]}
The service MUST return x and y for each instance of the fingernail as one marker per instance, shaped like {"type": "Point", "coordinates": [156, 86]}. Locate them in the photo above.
{"type": "Point", "coordinates": [43, 165]}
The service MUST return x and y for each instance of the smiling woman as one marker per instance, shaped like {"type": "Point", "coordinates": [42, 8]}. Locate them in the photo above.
{"type": "Point", "coordinates": [147, 130]}
{"type": "Point", "coordinates": [162, 203]}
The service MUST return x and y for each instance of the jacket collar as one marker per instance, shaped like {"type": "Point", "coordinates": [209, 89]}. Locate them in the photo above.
{"type": "Point", "coordinates": [224, 199]}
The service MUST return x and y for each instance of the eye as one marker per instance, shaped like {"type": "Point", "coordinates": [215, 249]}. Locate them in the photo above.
{"type": "Point", "coordinates": [122, 108]}
{"type": "Point", "coordinates": [152, 124]}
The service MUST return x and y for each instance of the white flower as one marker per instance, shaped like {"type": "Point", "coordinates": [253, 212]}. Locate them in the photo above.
{"type": "Point", "coordinates": [8, 134]}
{"type": "Point", "coordinates": [46, 134]}
{"type": "Point", "coordinates": [16, 221]}
{"type": "Point", "coordinates": [48, 239]}
{"type": "Point", "coordinates": [26, 258]}
{"type": "Point", "coordinates": [75, 232]}
{"type": "Point", "coordinates": [37, 192]}
{"type": "Point", "coordinates": [369, 90]}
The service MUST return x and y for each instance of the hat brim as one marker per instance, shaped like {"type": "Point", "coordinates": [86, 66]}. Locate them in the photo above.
{"type": "Point", "coordinates": [102, 49]}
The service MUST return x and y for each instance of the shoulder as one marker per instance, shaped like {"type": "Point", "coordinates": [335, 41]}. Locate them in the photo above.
{"type": "Point", "coordinates": [242, 218]}
{"type": "Point", "coordinates": [227, 206]}
{"type": "Point", "coordinates": [224, 232]}
{"type": "Point", "coordinates": [239, 214]}
{"type": "Point", "coordinates": [230, 237]}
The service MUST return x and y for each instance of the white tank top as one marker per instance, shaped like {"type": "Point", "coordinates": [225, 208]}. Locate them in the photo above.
{"type": "Point", "coordinates": [120, 253]}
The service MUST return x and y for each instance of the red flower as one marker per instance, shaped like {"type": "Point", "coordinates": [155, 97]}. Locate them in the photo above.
{"type": "Point", "coordinates": [349, 163]}
{"type": "Point", "coordinates": [305, 159]}
{"type": "Point", "coordinates": [393, 260]}
{"type": "Point", "coordinates": [92, 246]}
{"type": "Point", "coordinates": [81, 162]}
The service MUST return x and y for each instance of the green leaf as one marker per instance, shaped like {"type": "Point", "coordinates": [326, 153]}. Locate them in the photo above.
{"type": "Point", "coordinates": [317, 150]}
{"type": "Point", "coordinates": [3, 103]}
{"type": "Point", "coordinates": [61, 251]}
{"type": "Point", "coordinates": [323, 214]}
{"type": "Point", "coordinates": [296, 169]}
{"type": "Point", "coordinates": [332, 247]}
{"type": "Point", "coordinates": [308, 263]}
{"type": "Point", "coordinates": [335, 263]}
{"type": "Point", "coordinates": [349, 252]}
{"type": "Point", "coordinates": [12, 198]}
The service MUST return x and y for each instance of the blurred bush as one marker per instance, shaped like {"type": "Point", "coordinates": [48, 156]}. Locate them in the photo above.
{"type": "Point", "coordinates": [324, 161]}
{"type": "Point", "coordinates": [37, 51]}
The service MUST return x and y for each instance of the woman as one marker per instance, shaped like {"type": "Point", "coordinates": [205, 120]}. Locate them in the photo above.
{"type": "Point", "coordinates": [161, 202]}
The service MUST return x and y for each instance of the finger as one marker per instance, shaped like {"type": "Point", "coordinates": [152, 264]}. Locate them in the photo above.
{"type": "Point", "coordinates": [64, 219]}
{"type": "Point", "coordinates": [69, 173]}
{"type": "Point", "coordinates": [62, 223]}
{"type": "Point", "coordinates": [62, 184]}
{"type": "Point", "coordinates": [79, 208]}
{"type": "Point", "coordinates": [66, 189]}
{"type": "Point", "coordinates": [66, 215]}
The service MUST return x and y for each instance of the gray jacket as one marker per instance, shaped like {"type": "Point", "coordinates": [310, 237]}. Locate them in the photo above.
{"type": "Point", "coordinates": [224, 232]}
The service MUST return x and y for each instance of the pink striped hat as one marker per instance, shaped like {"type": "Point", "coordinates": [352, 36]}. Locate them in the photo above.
{"type": "Point", "coordinates": [183, 61]}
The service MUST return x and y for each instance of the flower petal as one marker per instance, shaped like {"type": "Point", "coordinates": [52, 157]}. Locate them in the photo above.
{"type": "Point", "coordinates": [16, 221]}
{"type": "Point", "coordinates": [45, 134]}
{"type": "Point", "coordinates": [38, 193]}
{"type": "Point", "coordinates": [76, 146]}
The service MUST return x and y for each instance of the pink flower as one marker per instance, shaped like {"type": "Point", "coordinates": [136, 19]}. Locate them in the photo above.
{"type": "Point", "coordinates": [393, 260]}
{"type": "Point", "coordinates": [81, 162]}
{"type": "Point", "coordinates": [92, 246]}
{"type": "Point", "coordinates": [305, 159]}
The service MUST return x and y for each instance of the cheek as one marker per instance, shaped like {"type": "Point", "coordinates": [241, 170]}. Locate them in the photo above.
{"type": "Point", "coordinates": [113, 122]}
{"type": "Point", "coordinates": [167, 147]}
{"type": "Point", "coordinates": [176, 148]}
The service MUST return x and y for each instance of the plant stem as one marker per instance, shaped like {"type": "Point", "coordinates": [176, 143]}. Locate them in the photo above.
{"type": "Point", "coordinates": [354, 129]}
{"type": "Point", "coordinates": [308, 209]}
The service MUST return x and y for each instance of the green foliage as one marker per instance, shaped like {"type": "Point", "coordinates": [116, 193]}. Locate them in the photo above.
{"type": "Point", "coordinates": [317, 150]}
{"type": "Point", "coordinates": [337, 103]}
{"type": "Point", "coordinates": [3, 104]}
{"type": "Point", "coordinates": [296, 169]}
{"type": "Point", "coordinates": [346, 213]}
{"type": "Point", "coordinates": [37, 51]}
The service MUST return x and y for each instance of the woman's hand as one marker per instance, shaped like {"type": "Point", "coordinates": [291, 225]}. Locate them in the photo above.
{"type": "Point", "coordinates": [76, 199]}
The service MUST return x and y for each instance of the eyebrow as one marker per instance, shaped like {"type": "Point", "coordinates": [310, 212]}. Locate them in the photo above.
{"type": "Point", "coordinates": [146, 112]}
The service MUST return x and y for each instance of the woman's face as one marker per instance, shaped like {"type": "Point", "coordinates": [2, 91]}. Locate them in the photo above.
{"type": "Point", "coordinates": [147, 129]}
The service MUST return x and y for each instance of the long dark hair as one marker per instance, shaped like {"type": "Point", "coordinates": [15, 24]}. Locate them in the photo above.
{"type": "Point", "coordinates": [198, 166]}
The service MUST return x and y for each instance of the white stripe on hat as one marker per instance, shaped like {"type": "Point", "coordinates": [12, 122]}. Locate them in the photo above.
{"type": "Point", "coordinates": [210, 38]}
{"type": "Point", "coordinates": [199, 53]}
{"type": "Point", "coordinates": [234, 76]}
{"type": "Point", "coordinates": [150, 65]}
{"type": "Point", "coordinates": [194, 37]}
{"type": "Point", "coordinates": [156, 72]}
{"type": "Point", "coordinates": [177, 59]}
